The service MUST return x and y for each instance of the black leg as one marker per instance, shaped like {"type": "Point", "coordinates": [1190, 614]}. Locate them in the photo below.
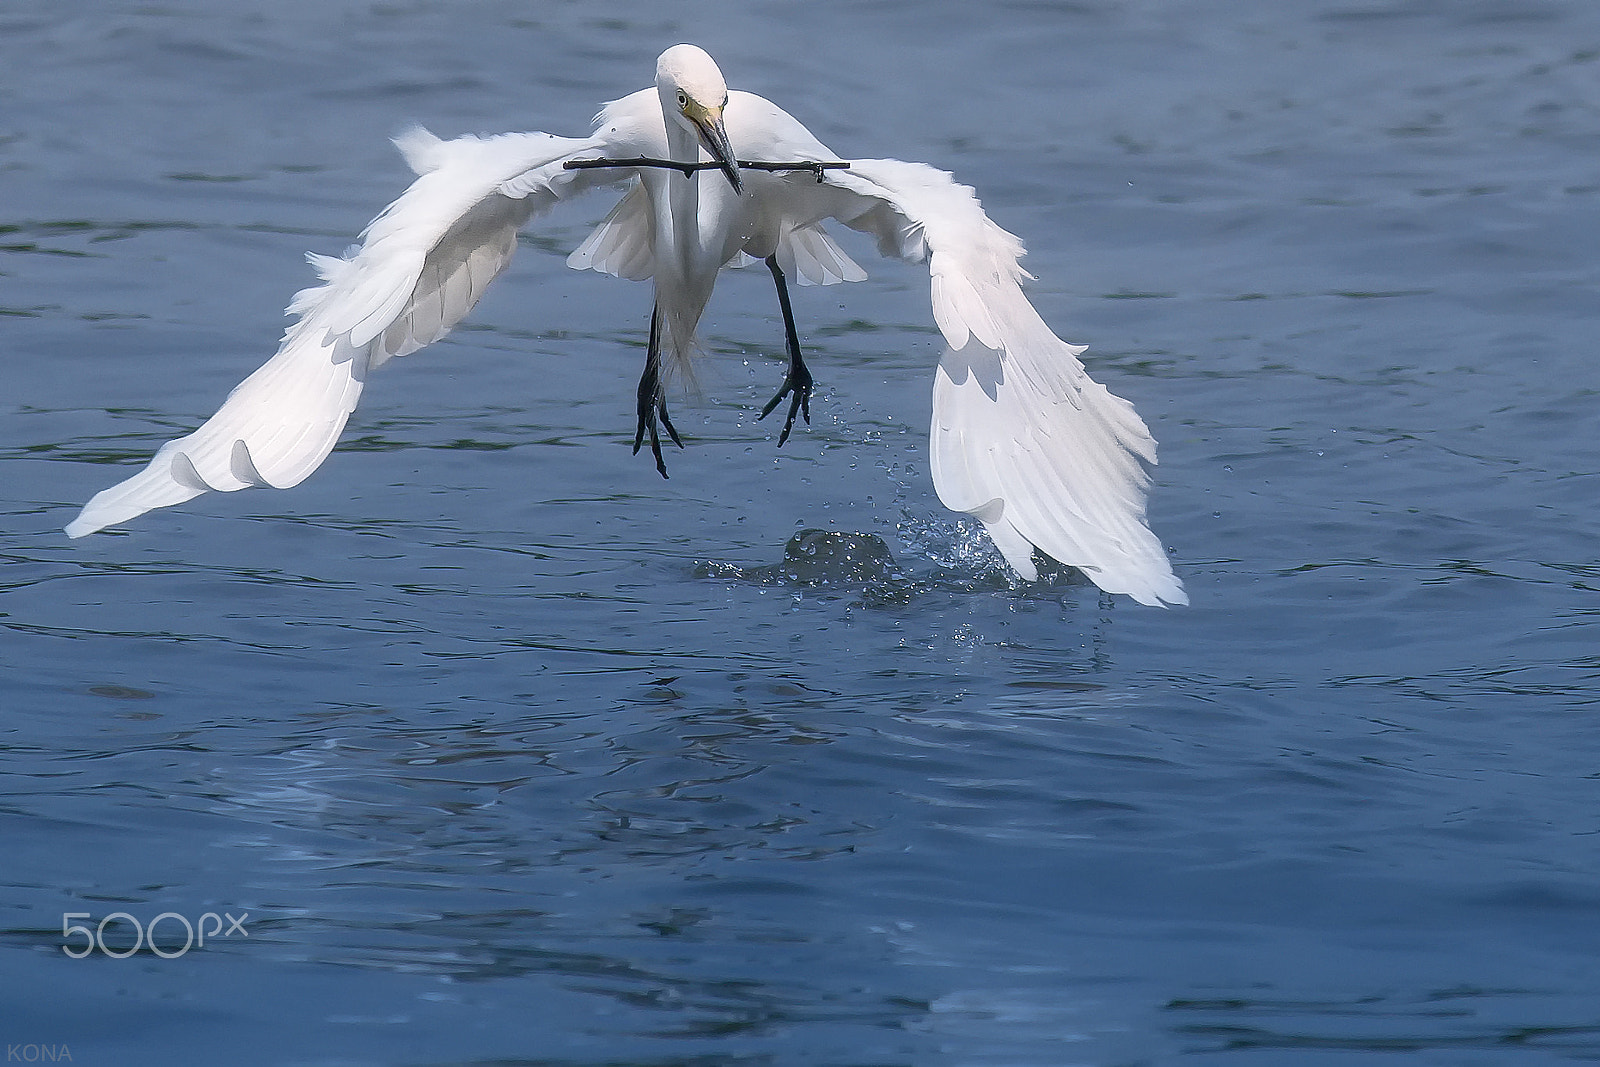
{"type": "Point", "coordinates": [798, 380]}
{"type": "Point", "coordinates": [652, 403]}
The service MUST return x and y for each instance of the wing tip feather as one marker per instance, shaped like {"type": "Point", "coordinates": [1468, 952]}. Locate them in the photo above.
{"type": "Point", "coordinates": [421, 149]}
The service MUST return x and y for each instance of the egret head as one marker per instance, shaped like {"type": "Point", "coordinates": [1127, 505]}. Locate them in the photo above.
{"type": "Point", "coordinates": [693, 95]}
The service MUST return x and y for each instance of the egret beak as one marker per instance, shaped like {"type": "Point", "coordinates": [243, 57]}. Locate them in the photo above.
{"type": "Point", "coordinates": [708, 121]}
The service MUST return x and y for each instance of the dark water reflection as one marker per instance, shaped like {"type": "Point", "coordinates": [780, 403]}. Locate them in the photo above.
{"type": "Point", "coordinates": [514, 753]}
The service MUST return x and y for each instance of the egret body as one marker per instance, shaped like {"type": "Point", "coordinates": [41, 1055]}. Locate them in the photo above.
{"type": "Point", "coordinates": [1022, 438]}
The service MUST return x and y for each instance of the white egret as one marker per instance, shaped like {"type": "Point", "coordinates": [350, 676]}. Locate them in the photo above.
{"type": "Point", "coordinates": [1022, 438]}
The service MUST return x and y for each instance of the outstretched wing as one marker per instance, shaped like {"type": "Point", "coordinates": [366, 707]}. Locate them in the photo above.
{"type": "Point", "coordinates": [423, 264]}
{"type": "Point", "coordinates": [1023, 439]}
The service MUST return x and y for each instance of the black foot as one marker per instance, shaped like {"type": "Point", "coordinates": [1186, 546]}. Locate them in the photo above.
{"type": "Point", "coordinates": [651, 410]}
{"type": "Point", "coordinates": [798, 383]}
{"type": "Point", "coordinates": [798, 380]}
{"type": "Point", "coordinates": [652, 405]}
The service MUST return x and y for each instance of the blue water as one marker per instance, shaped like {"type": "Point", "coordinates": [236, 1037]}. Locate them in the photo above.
{"type": "Point", "coordinates": [512, 753]}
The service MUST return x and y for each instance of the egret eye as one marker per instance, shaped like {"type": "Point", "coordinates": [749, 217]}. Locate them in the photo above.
{"type": "Point", "coordinates": [683, 98]}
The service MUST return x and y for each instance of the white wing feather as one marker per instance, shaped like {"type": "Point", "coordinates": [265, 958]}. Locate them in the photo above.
{"type": "Point", "coordinates": [808, 255]}
{"type": "Point", "coordinates": [424, 263]}
{"type": "Point", "coordinates": [1022, 439]}
{"type": "Point", "coordinates": [621, 244]}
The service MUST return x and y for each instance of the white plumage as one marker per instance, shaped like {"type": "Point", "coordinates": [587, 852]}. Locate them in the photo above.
{"type": "Point", "coordinates": [1022, 438]}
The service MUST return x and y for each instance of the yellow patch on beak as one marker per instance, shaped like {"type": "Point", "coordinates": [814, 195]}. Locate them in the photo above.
{"type": "Point", "coordinates": [708, 121]}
